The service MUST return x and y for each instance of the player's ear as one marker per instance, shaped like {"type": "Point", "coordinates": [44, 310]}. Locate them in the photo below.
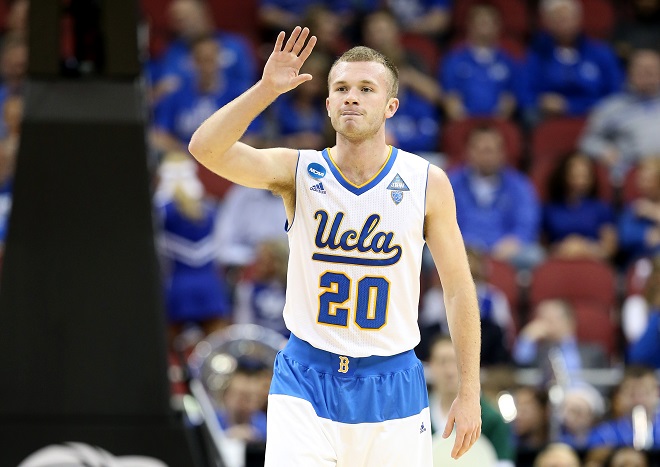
{"type": "Point", "coordinates": [327, 105]}
{"type": "Point", "coordinates": [392, 107]}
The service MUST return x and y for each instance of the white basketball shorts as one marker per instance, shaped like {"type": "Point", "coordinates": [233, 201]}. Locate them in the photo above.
{"type": "Point", "coordinates": [329, 410]}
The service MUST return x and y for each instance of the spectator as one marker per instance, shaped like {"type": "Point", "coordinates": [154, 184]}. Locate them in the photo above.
{"type": "Point", "coordinates": [566, 72]}
{"type": "Point", "coordinates": [13, 68]}
{"type": "Point", "coordinates": [531, 425]}
{"type": "Point", "coordinates": [240, 414]}
{"type": "Point", "coordinates": [195, 293]}
{"type": "Point", "coordinates": [553, 329]}
{"type": "Point", "coordinates": [425, 17]}
{"type": "Point", "coordinates": [248, 218]}
{"type": "Point", "coordinates": [639, 224]}
{"type": "Point", "coordinates": [641, 30]}
{"type": "Point", "coordinates": [498, 210]}
{"type": "Point", "coordinates": [557, 454]}
{"type": "Point", "coordinates": [478, 77]}
{"type": "Point", "coordinates": [284, 15]}
{"type": "Point", "coordinates": [181, 113]}
{"type": "Point", "coordinates": [497, 326]}
{"type": "Point", "coordinates": [16, 25]}
{"type": "Point", "coordinates": [327, 27]}
{"type": "Point", "coordinates": [299, 114]}
{"type": "Point", "coordinates": [638, 388]}
{"type": "Point", "coordinates": [13, 115]}
{"type": "Point", "coordinates": [637, 306]}
{"type": "Point", "coordinates": [444, 388]}
{"type": "Point", "coordinates": [260, 296]}
{"type": "Point", "coordinates": [191, 21]}
{"type": "Point", "coordinates": [580, 409]}
{"type": "Point", "coordinates": [622, 129]}
{"type": "Point", "coordinates": [627, 457]}
{"type": "Point", "coordinates": [576, 223]}
{"type": "Point", "coordinates": [646, 349]}
{"type": "Point", "coordinates": [414, 127]}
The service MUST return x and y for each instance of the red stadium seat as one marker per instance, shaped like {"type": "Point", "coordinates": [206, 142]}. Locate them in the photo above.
{"type": "Point", "coordinates": [424, 48]}
{"type": "Point", "coordinates": [503, 276]}
{"type": "Point", "coordinates": [455, 135]}
{"type": "Point", "coordinates": [598, 18]}
{"type": "Point", "coordinates": [155, 13]}
{"type": "Point", "coordinates": [238, 17]}
{"type": "Point", "coordinates": [574, 280]}
{"type": "Point", "coordinates": [514, 14]}
{"type": "Point", "coordinates": [590, 286]}
{"type": "Point", "coordinates": [587, 314]}
{"type": "Point", "coordinates": [555, 137]}
{"type": "Point", "coordinates": [214, 185]}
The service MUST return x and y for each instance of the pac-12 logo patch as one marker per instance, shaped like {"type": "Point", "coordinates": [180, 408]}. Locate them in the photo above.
{"type": "Point", "coordinates": [316, 170]}
{"type": "Point", "coordinates": [398, 186]}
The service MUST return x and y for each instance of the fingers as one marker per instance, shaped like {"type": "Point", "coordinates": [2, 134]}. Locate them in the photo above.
{"type": "Point", "coordinates": [308, 48]}
{"type": "Point", "coordinates": [300, 41]}
{"type": "Point", "coordinates": [288, 47]}
{"type": "Point", "coordinates": [301, 79]}
{"type": "Point", "coordinates": [279, 41]}
{"type": "Point", "coordinates": [448, 427]}
{"type": "Point", "coordinates": [464, 442]}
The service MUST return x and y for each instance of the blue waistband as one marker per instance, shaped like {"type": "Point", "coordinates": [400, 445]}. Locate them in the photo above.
{"type": "Point", "coordinates": [342, 365]}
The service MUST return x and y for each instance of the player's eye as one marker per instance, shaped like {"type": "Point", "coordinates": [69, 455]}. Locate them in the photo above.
{"type": "Point", "coordinates": [366, 89]}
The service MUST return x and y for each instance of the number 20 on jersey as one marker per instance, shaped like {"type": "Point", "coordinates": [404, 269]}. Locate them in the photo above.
{"type": "Point", "coordinates": [371, 294]}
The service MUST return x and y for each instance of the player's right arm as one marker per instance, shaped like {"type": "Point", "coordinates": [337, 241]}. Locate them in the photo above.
{"type": "Point", "coordinates": [215, 143]}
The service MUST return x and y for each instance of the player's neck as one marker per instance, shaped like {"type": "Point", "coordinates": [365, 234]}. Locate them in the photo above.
{"type": "Point", "coordinates": [360, 161]}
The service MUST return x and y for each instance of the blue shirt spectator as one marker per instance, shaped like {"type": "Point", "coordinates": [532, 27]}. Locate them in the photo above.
{"type": "Point", "coordinates": [638, 389]}
{"type": "Point", "coordinates": [513, 209]}
{"type": "Point", "coordinates": [414, 126]}
{"type": "Point", "coordinates": [235, 58]}
{"type": "Point", "coordinates": [619, 432]}
{"type": "Point", "coordinates": [646, 350]}
{"type": "Point", "coordinates": [566, 72]}
{"type": "Point", "coordinates": [581, 75]}
{"type": "Point", "coordinates": [497, 207]}
{"type": "Point", "coordinates": [182, 112]}
{"type": "Point", "coordinates": [479, 77]}
{"type": "Point", "coordinates": [585, 218]}
{"type": "Point", "coordinates": [428, 17]}
{"type": "Point", "coordinates": [5, 208]}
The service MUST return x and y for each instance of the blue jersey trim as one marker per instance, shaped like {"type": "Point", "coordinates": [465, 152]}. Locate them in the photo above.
{"type": "Point", "coordinates": [371, 389]}
{"type": "Point", "coordinates": [358, 190]}
{"type": "Point", "coordinates": [426, 192]}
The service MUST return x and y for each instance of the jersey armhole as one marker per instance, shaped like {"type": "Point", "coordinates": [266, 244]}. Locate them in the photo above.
{"type": "Point", "coordinates": [426, 189]}
{"type": "Point", "coordinates": [287, 226]}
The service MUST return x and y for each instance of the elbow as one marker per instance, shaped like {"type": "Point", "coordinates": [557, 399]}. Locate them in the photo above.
{"type": "Point", "coordinates": [195, 147]}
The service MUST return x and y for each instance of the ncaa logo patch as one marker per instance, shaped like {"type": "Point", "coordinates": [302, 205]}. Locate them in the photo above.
{"type": "Point", "coordinates": [316, 170]}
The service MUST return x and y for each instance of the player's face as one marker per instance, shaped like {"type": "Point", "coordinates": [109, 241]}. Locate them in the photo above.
{"type": "Point", "coordinates": [358, 102]}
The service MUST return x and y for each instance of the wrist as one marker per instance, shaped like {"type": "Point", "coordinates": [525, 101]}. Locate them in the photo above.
{"type": "Point", "coordinates": [265, 92]}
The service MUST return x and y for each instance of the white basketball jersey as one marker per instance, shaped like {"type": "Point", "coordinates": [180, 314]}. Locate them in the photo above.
{"type": "Point", "coordinates": [355, 256]}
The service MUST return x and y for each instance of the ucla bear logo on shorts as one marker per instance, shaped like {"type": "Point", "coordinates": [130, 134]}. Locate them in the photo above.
{"type": "Point", "coordinates": [343, 364]}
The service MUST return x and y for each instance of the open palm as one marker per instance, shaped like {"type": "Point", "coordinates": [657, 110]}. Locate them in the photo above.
{"type": "Point", "coordinates": [282, 70]}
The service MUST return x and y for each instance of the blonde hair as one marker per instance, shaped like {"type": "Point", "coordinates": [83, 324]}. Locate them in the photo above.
{"type": "Point", "coordinates": [367, 54]}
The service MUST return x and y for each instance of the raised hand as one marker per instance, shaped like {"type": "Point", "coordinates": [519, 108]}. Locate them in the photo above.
{"type": "Point", "coordinates": [282, 70]}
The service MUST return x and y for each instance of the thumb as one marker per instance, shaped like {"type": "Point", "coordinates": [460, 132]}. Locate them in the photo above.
{"type": "Point", "coordinates": [298, 80]}
{"type": "Point", "coordinates": [448, 427]}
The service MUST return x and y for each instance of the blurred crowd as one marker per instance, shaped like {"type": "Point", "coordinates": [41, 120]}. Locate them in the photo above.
{"type": "Point", "coordinates": [546, 116]}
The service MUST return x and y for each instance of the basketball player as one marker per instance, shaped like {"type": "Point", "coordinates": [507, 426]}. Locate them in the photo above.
{"type": "Point", "coordinates": [348, 390]}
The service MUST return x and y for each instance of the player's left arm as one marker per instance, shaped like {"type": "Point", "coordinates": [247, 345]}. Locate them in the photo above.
{"type": "Point", "coordinates": [446, 244]}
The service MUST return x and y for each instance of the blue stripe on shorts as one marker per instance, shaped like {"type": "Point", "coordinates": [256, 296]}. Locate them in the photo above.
{"type": "Point", "coordinates": [367, 390]}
